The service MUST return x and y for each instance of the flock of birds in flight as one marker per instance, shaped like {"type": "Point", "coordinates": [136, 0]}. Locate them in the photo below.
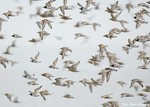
{"type": "Point", "coordinates": [114, 10]}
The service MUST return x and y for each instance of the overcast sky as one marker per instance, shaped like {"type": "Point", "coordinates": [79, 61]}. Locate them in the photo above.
{"type": "Point", "coordinates": [11, 80]}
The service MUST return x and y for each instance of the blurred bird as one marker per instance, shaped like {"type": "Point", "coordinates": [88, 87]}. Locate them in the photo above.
{"type": "Point", "coordinates": [1, 21]}
{"type": "Point", "coordinates": [53, 65]}
{"type": "Point", "coordinates": [138, 81]}
{"type": "Point", "coordinates": [36, 58]}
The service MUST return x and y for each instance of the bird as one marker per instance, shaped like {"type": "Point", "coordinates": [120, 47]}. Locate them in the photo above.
{"type": "Point", "coordinates": [43, 93]}
{"type": "Point", "coordinates": [65, 17]}
{"type": "Point", "coordinates": [68, 83]}
{"type": "Point", "coordinates": [122, 83]}
{"type": "Point", "coordinates": [73, 67]}
{"type": "Point", "coordinates": [84, 81]}
{"type": "Point", "coordinates": [68, 96]}
{"type": "Point", "coordinates": [16, 100]}
{"type": "Point", "coordinates": [139, 23]}
{"type": "Point", "coordinates": [138, 81]}
{"type": "Point", "coordinates": [13, 44]}
{"type": "Point", "coordinates": [28, 76]}
{"type": "Point", "coordinates": [33, 82]}
{"type": "Point", "coordinates": [41, 24]}
{"type": "Point", "coordinates": [42, 34]}
{"type": "Point", "coordinates": [144, 66]}
{"type": "Point", "coordinates": [1, 21]}
{"type": "Point", "coordinates": [33, 40]}
{"type": "Point", "coordinates": [129, 6]}
{"type": "Point", "coordinates": [53, 65]}
{"type": "Point", "coordinates": [35, 93]}
{"type": "Point", "coordinates": [7, 51]}
{"type": "Point", "coordinates": [63, 51]}
{"type": "Point", "coordinates": [30, 1]}
{"type": "Point", "coordinates": [16, 36]}
{"type": "Point", "coordinates": [9, 14]}
{"type": "Point", "coordinates": [3, 61]}
{"type": "Point", "coordinates": [102, 48]}
{"type": "Point", "coordinates": [36, 58]}
{"type": "Point", "coordinates": [126, 95]}
{"type": "Point", "coordinates": [95, 25]}
{"type": "Point", "coordinates": [147, 89]}
{"type": "Point", "coordinates": [107, 96]}
{"type": "Point", "coordinates": [58, 81]}
{"type": "Point", "coordinates": [47, 75]}
{"type": "Point", "coordinates": [9, 96]}
{"type": "Point", "coordinates": [48, 5]}
{"type": "Point", "coordinates": [77, 35]}
{"type": "Point", "coordinates": [83, 9]}
{"type": "Point", "coordinates": [126, 49]}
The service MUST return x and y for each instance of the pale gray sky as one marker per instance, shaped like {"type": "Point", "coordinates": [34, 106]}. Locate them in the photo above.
{"type": "Point", "coordinates": [11, 77]}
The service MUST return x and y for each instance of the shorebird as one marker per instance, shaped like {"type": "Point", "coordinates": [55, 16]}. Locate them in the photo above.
{"type": "Point", "coordinates": [138, 81]}
{"type": "Point", "coordinates": [107, 96]}
{"type": "Point", "coordinates": [147, 89]}
{"type": "Point", "coordinates": [77, 35]}
{"type": "Point", "coordinates": [97, 6]}
{"type": "Point", "coordinates": [63, 51]}
{"type": "Point", "coordinates": [144, 66]}
{"type": "Point", "coordinates": [73, 67]}
{"type": "Point", "coordinates": [49, 13]}
{"type": "Point", "coordinates": [102, 48]}
{"type": "Point", "coordinates": [110, 35]}
{"type": "Point", "coordinates": [126, 48]}
{"type": "Point", "coordinates": [33, 40]}
{"type": "Point", "coordinates": [139, 23]}
{"type": "Point", "coordinates": [143, 5]}
{"type": "Point", "coordinates": [67, 63]}
{"type": "Point", "coordinates": [115, 17]}
{"type": "Point", "coordinates": [95, 60]}
{"type": "Point", "coordinates": [44, 93]}
{"type": "Point", "coordinates": [58, 81]}
{"type": "Point", "coordinates": [122, 83]}
{"type": "Point", "coordinates": [16, 100]}
{"type": "Point", "coordinates": [3, 61]}
{"type": "Point", "coordinates": [68, 96]}
{"type": "Point", "coordinates": [53, 65]}
{"type": "Point", "coordinates": [126, 95]}
{"type": "Point", "coordinates": [83, 9]}
{"type": "Point", "coordinates": [129, 6]}
{"type": "Point", "coordinates": [30, 1]}
{"type": "Point", "coordinates": [16, 36]}
{"type": "Point", "coordinates": [1, 21]}
{"type": "Point", "coordinates": [48, 5]}
{"type": "Point", "coordinates": [47, 75]}
{"type": "Point", "coordinates": [95, 25]}
{"type": "Point", "coordinates": [7, 51]}
{"type": "Point", "coordinates": [9, 14]}
{"type": "Point", "coordinates": [41, 24]}
{"type": "Point", "coordinates": [33, 82]}
{"type": "Point", "coordinates": [142, 95]}
{"type": "Point", "coordinates": [63, 8]}
{"type": "Point", "coordinates": [131, 44]}
{"type": "Point", "coordinates": [42, 34]}
{"type": "Point", "coordinates": [65, 17]}
{"type": "Point", "coordinates": [36, 58]}
{"type": "Point", "coordinates": [9, 96]}
{"type": "Point", "coordinates": [35, 92]}
{"type": "Point", "coordinates": [28, 76]}
{"type": "Point", "coordinates": [68, 83]}
{"type": "Point", "coordinates": [113, 103]}
{"type": "Point", "coordinates": [13, 44]}
{"type": "Point", "coordinates": [90, 2]}
{"type": "Point", "coordinates": [84, 81]}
